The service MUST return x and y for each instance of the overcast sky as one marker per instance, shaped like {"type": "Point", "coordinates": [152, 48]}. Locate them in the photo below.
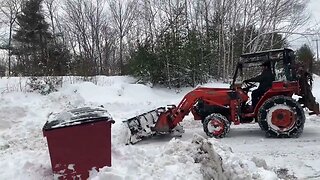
{"type": "Point", "coordinates": [297, 41]}
{"type": "Point", "coordinates": [314, 7]}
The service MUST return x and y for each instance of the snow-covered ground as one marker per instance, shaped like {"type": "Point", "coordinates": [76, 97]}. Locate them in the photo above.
{"type": "Point", "coordinates": [244, 154]}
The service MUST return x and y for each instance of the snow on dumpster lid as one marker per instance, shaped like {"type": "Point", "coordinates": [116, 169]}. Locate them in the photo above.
{"type": "Point", "coordinates": [76, 116]}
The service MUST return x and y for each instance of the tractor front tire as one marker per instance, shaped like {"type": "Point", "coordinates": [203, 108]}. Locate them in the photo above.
{"type": "Point", "coordinates": [281, 116]}
{"type": "Point", "coordinates": [216, 125]}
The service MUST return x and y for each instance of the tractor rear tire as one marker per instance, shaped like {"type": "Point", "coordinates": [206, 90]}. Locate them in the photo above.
{"type": "Point", "coordinates": [281, 116]}
{"type": "Point", "coordinates": [216, 125]}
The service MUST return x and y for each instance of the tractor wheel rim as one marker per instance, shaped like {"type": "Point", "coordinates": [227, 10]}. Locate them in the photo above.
{"type": "Point", "coordinates": [281, 118]}
{"type": "Point", "coordinates": [216, 127]}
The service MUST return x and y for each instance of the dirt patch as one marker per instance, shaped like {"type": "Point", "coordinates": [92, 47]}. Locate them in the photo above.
{"type": "Point", "coordinates": [283, 173]}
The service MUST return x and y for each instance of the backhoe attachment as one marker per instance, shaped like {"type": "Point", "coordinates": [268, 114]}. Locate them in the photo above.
{"type": "Point", "coordinates": [307, 99]}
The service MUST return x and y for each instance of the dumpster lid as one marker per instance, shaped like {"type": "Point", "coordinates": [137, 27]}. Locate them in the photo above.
{"type": "Point", "coordinates": [77, 116]}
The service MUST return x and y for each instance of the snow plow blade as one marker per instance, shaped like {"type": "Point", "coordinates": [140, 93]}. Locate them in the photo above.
{"type": "Point", "coordinates": [143, 125]}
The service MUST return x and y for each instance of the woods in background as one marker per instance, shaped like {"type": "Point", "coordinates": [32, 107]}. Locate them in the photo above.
{"type": "Point", "coordinates": [170, 42]}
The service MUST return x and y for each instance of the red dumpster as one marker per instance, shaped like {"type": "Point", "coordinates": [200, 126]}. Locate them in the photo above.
{"type": "Point", "coordinates": [79, 140]}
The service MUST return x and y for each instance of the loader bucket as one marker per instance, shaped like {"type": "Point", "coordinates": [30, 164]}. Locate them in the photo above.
{"type": "Point", "coordinates": [142, 126]}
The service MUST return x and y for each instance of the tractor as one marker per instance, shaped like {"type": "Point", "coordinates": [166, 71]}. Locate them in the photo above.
{"type": "Point", "coordinates": [279, 111]}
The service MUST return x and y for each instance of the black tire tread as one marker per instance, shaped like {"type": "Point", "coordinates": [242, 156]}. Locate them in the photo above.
{"type": "Point", "coordinates": [295, 131]}
{"type": "Point", "coordinates": [220, 117]}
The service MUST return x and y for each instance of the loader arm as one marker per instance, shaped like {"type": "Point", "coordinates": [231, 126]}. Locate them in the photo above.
{"type": "Point", "coordinates": [173, 116]}
{"type": "Point", "coordinates": [165, 120]}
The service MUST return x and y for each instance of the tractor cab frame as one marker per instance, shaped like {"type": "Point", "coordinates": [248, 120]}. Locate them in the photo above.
{"type": "Point", "coordinates": [281, 60]}
{"type": "Point", "coordinates": [282, 65]}
{"type": "Point", "coordinates": [289, 79]}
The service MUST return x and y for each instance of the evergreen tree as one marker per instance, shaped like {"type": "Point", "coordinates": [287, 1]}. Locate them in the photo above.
{"type": "Point", "coordinates": [59, 59]}
{"type": "Point", "coordinates": [194, 62]}
{"type": "Point", "coordinates": [2, 70]}
{"type": "Point", "coordinates": [36, 51]}
{"type": "Point", "coordinates": [143, 64]}
{"type": "Point", "coordinates": [305, 56]}
{"type": "Point", "coordinates": [316, 67]}
{"type": "Point", "coordinates": [31, 39]}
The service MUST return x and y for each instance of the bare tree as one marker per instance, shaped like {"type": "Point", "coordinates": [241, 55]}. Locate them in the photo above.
{"type": "Point", "coordinates": [84, 20]}
{"type": "Point", "coordinates": [10, 9]}
{"type": "Point", "coordinates": [51, 7]}
{"type": "Point", "coordinates": [123, 14]}
{"type": "Point", "coordinates": [272, 16]}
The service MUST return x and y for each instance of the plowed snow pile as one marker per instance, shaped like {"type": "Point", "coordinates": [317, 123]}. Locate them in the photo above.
{"type": "Point", "coordinates": [176, 159]}
{"type": "Point", "coordinates": [244, 154]}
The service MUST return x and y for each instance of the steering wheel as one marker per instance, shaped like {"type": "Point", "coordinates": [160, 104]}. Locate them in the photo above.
{"type": "Point", "coordinates": [248, 85]}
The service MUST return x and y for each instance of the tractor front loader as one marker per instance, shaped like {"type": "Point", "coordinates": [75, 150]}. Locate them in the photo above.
{"type": "Point", "coordinates": [277, 112]}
